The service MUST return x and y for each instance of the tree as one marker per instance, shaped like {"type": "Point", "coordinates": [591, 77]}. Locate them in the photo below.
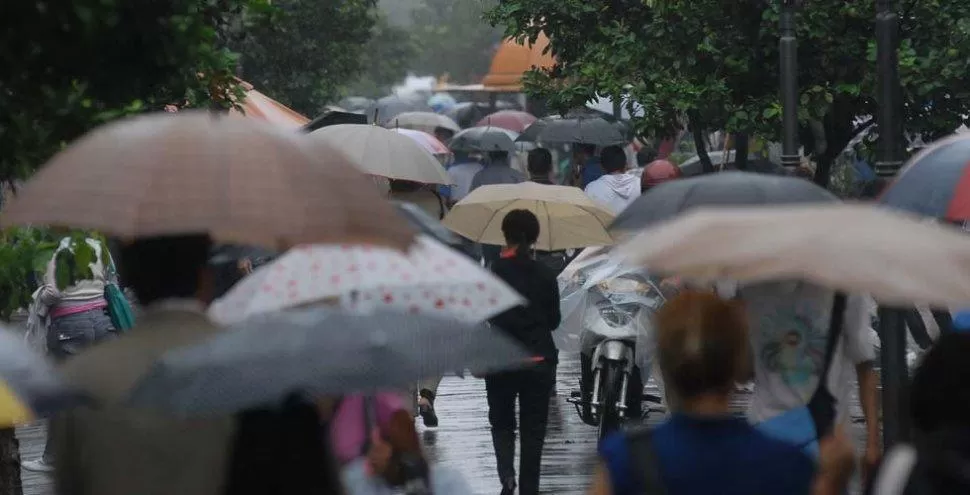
{"type": "Point", "coordinates": [307, 50]}
{"type": "Point", "coordinates": [707, 64]}
{"type": "Point", "coordinates": [452, 38]}
{"type": "Point", "coordinates": [387, 57]}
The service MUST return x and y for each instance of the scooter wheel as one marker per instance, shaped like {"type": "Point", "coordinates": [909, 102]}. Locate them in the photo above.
{"type": "Point", "coordinates": [612, 376]}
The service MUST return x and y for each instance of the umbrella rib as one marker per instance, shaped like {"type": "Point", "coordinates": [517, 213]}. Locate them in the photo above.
{"type": "Point", "coordinates": [548, 221]}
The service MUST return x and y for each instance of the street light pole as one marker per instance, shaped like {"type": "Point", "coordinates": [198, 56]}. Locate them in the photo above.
{"type": "Point", "coordinates": [892, 329]}
{"type": "Point", "coordinates": [788, 51]}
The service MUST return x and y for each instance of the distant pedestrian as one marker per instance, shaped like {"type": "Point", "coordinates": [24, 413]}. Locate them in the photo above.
{"type": "Point", "coordinates": [540, 166]}
{"type": "Point", "coordinates": [497, 170]}
{"type": "Point", "coordinates": [532, 325]}
{"type": "Point", "coordinates": [461, 173]}
{"type": "Point", "coordinates": [616, 189]}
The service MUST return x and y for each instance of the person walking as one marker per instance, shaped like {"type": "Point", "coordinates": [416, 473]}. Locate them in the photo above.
{"type": "Point", "coordinates": [532, 325]}
{"type": "Point", "coordinates": [78, 317]}
{"type": "Point", "coordinates": [616, 189]}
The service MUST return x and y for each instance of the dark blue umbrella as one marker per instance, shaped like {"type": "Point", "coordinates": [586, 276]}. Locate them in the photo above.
{"type": "Point", "coordinates": [936, 182]}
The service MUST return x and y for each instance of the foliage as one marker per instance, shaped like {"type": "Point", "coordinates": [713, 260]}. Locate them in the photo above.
{"type": "Point", "coordinates": [452, 38]}
{"type": "Point", "coordinates": [714, 65]}
{"type": "Point", "coordinates": [66, 67]}
{"type": "Point", "coordinates": [386, 59]}
{"type": "Point", "coordinates": [306, 50]}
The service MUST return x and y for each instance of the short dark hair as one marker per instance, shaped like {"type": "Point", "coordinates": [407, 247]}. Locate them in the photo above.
{"type": "Point", "coordinates": [613, 159]}
{"type": "Point", "coordinates": [939, 398]}
{"type": "Point", "coordinates": [646, 155]}
{"type": "Point", "coordinates": [165, 267]}
{"type": "Point", "coordinates": [520, 228]}
{"type": "Point", "coordinates": [540, 162]}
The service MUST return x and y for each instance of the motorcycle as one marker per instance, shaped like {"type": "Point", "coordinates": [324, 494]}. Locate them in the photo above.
{"type": "Point", "coordinates": [607, 311]}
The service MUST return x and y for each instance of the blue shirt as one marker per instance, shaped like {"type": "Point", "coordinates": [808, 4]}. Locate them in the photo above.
{"type": "Point", "coordinates": [592, 170]}
{"type": "Point", "coordinates": [702, 456]}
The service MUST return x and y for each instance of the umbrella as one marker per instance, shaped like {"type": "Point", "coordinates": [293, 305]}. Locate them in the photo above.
{"type": "Point", "coordinates": [513, 120]}
{"type": "Point", "coordinates": [388, 107]}
{"type": "Point", "coordinates": [29, 387]}
{"type": "Point", "coordinates": [321, 352]}
{"type": "Point", "coordinates": [531, 133]}
{"type": "Point", "coordinates": [334, 117]}
{"type": "Point", "coordinates": [722, 189]}
{"type": "Point", "coordinates": [193, 172]}
{"type": "Point", "coordinates": [355, 103]}
{"type": "Point", "coordinates": [483, 139]}
{"type": "Point", "coordinates": [897, 258]}
{"type": "Point", "coordinates": [422, 121]}
{"type": "Point", "coordinates": [431, 278]}
{"type": "Point", "coordinates": [567, 217]}
{"type": "Point", "coordinates": [935, 182]}
{"type": "Point", "coordinates": [430, 143]}
{"type": "Point", "coordinates": [379, 151]}
{"type": "Point", "coordinates": [427, 224]}
{"type": "Point", "coordinates": [467, 113]}
{"type": "Point", "coordinates": [585, 130]}
{"type": "Point", "coordinates": [440, 102]}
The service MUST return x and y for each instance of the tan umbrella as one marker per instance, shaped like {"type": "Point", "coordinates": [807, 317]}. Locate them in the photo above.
{"type": "Point", "coordinates": [422, 121]}
{"type": "Point", "coordinates": [567, 217]}
{"type": "Point", "coordinates": [899, 259]}
{"type": "Point", "coordinates": [378, 151]}
{"type": "Point", "coordinates": [239, 180]}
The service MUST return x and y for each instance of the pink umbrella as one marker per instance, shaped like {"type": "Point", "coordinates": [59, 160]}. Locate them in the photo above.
{"type": "Point", "coordinates": [428, 142]}
{"type": "Point", "coordinates": [513, 120]}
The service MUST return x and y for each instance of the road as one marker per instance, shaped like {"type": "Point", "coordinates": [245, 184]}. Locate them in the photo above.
{"type": "Point", "coordinates": [463, 440]}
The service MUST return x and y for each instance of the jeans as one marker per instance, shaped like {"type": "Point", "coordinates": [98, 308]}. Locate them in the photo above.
{"type": "Point", "coordinates": [531, 387]}
{"type": "Point", "coordinates": [71, 334]}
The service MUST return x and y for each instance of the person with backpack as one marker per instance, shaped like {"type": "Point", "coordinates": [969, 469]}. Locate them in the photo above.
{"type": "Point", "coordinates": [702, 348]}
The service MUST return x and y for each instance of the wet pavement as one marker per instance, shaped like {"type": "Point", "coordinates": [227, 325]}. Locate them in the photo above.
{"type": "Point", "coordinates": [464, 442]}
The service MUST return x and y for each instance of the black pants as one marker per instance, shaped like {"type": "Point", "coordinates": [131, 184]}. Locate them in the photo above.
{"type": "Point", "coordinates": [634, 388]}
{"type": "Point", "coordinates": [532, 388]}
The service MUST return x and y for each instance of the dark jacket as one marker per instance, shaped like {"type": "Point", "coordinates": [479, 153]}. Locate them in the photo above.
{"type": "Point", "coordinates": [532, 325]}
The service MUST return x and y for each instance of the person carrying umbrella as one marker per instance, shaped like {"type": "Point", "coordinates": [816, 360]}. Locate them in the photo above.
{"type": "Point", "coordinates": [532, 325]}
{"type": "Point", "coordinates": [497, 170]}
{"type": "Point", "coordinates": [616, 189]}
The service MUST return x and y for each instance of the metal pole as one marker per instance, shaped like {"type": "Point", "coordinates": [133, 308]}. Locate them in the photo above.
{"type": "Point", "coordinates": [617, 109]}
{"type": "Point", "coordinates": [892, 330]}
{"type": "Point", "coordinates": [895, 377]}
{"type": "Point", "coordinates": [889, 158]}
{"type": "Point", "coordinates": [788, 51]}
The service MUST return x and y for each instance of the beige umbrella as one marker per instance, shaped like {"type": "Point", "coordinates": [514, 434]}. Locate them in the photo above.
{"type": "Point", "coordinates": [567, 217]}
{"type": "Point", "coordinates": [897, 258]}
{"type": "Point", "coordinates": [378, 151]}
{"type": "Point", "coordinates": [239, 180]}
{"type": "Point", "coordinates": [422, 121]}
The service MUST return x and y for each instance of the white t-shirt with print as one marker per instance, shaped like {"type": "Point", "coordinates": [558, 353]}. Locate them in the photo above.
{"type": "Point", "coordinates": [789, 323]}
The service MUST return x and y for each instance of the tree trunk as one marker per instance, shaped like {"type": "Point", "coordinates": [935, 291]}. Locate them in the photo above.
{"type": "Point", "coordinates": [741, 151]}
{"type": "Point", "coordinates": [10, 483]}
{"type": "Point", "coordinates": [697, 131]}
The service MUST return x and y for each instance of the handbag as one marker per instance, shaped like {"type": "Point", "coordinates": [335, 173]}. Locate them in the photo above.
{"type": "Point", "coordinates": [803, 426]}
{"type": "Point", "coordinates": [119, 309]}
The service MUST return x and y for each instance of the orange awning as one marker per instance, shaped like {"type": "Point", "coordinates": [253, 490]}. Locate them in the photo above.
{"type": "Point", "coordinates": [512, 60]}
{"type": "Point", "coordinates": [260, 106]}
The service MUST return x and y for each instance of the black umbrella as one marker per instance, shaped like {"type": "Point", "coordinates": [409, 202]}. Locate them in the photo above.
{"type": "Point", "coordinates": [334, 117]}
{"type": "Point", "coordinates": [584, 130]}
{"type": "Point", "coordinates": [483, 140]}
{"type": "Point", "coordinates": [531, 134]}
{"type": "Point", "coordinates": [468, 113]}
{"type": "Point", "coordinates": [669, 199]}
{"type": "Point", "coordinates": [388, 107]}
{"type": "Point", "coordinates": [320, 352]}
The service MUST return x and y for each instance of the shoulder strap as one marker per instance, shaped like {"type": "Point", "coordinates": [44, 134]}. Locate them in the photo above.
{"type": "Point", "coordinates": [643, 461]}
{"type": "Point", "coordinates": [835, 332]}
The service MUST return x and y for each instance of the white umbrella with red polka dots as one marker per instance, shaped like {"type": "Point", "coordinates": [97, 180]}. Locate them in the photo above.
{"type": "Point", "coordinates": [430, 278]}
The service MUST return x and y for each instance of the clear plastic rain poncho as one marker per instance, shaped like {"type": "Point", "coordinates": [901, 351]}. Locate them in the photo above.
{"type": "Point", "coordinates": [602, 299]}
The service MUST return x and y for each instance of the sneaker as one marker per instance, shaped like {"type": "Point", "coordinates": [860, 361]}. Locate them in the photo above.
{"type": "Point", "coordinates": [426, 409]}
{"type": "Point", "coordinates": [39, 466]}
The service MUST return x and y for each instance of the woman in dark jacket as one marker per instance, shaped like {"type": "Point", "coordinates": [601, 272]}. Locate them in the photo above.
{"type": "Point", "coordinates": [532, 325]}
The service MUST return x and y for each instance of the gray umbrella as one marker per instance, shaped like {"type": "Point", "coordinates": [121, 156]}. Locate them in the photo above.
{"type": "Point", "coordinates": [389, 107]}
{"type": "Point", "coordinates": [721, 189]}
{"type": "Point", "coordinates": [585, 130]}
{"type": "Point", "coordinates": [483, 139]}
{"type": "Point", "coordinates": [317, 351]}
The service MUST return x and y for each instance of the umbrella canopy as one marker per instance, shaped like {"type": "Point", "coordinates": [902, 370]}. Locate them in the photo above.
{"type": "Point", "coordinates": [567, 217]}
{"type": "Point", "coordinates": [388, 107]}
{"type": "Point", "coordinates": [258, 106]}
{"type": "Point", "coordinates": [29, 387]}
{"type": "Point", "coordinates": [355, 103]}
{"type": "Point", "coordinates": [439, 102]}
{"type": "Point", "coordinates": [430, 143]}
{"type": "Point", "coordinates": [513, 120]}
{"type": "Point", "coordinates": [238, 180]}
{"type": "Point", "coordinates": [935, 182]}
{"type": "Point", "coordinates": [531, 134]}
{"type": "Point", "coordinates": [722, 189]}
{"type": "Point", "coordinates": [320, 352]}
{"type": "Point", "coordinates": [897, 258]}
{"type": "Point", "coordinates": [422, 121]}
{"type": "Point", "coordinates": [379, 151]}
{"type": "Point", "coordinates": [334, 117]}
{"type": "Point", "coordinates": [430, 278]}
{"type": "Point", "coordinates": [427, 224]}
{"type": "Point", "coordinates": [483, 140]}
{"type": "Point", "coordinates": [467, 113]}
{"type": "Point", "coordinates": [584, 130]}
